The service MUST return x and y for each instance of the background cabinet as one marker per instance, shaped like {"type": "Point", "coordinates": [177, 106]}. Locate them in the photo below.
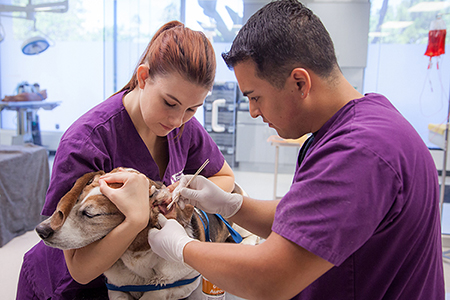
{"type": "Point", "coordinates": [220, 118]}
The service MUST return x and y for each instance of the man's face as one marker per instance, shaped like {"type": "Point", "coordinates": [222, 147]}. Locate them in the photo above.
{"type": "Point", "coordinates": [277, 107]}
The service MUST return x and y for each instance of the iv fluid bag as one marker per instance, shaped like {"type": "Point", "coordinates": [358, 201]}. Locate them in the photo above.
{"type": "Point", "coordinates": [436, 38]}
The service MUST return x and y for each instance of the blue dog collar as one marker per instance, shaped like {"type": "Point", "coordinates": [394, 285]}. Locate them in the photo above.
{"type": "Point", "coordinates": [152, 287]}
{"type": "Point", "coordinates": [234, 234]}
{"type": "Point", "coordinates": [149, 287]}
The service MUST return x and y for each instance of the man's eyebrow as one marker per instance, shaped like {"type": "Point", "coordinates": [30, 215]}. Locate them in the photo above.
{"type": "Point", "coordinates": [247, 92]}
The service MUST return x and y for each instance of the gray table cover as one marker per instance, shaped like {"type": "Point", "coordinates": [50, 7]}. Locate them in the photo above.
{"type": "Point", "coordinates": [24, 179]}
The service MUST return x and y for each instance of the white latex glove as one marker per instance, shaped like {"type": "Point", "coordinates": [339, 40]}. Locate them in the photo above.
{"type": "Point", "coordinates": [169, 241]}
{"type": "Point", "coordinates": [207, 196]}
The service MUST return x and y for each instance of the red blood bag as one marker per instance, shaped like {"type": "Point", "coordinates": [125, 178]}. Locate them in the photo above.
{"type": "Point", "coordinates": [436, 38]}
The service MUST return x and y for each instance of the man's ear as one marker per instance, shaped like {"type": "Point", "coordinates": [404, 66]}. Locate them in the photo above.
{"type": "Point", "coordinates": [302, 79]}
{"type": "Point", "coordinates": [142, 75]}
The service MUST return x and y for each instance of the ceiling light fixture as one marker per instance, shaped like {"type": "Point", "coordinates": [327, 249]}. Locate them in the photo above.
{"type": "Point", "coordinates": [35, 44]}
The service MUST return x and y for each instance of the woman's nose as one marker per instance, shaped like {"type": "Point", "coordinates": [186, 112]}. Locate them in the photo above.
{"type": "Point", "coordinates": [177, 119]}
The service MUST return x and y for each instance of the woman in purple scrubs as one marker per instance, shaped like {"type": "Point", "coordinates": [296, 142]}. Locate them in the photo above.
{"type": "Point", "coordinates": [148, 126]}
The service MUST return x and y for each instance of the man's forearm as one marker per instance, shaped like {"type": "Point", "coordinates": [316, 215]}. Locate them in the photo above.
{"type": "Point", "coordinates": [256, 216]}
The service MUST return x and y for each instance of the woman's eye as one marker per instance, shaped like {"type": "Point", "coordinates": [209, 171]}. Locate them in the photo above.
{"type": "Point", "coordinates": [168, 104]}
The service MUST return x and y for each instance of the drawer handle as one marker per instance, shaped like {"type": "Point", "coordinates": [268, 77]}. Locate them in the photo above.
{"type": "Point", "coordinates": [216, 127]}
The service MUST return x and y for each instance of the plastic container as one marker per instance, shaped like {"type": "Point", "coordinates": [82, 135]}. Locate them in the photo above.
{"type": "Point", "coordinates": [211, 291]}
{"type": "Point", "coordinates": [436, 38]}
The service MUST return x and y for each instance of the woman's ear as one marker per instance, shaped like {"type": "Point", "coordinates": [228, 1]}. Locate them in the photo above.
{"type": "Point", "coordinates": [302, 80]}
{"type": "Point", "coordinates": [142, 75]}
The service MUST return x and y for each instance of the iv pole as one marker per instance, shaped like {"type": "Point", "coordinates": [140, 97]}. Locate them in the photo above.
{"type": "Point", "coordinates": [444, 171]}
{"type": "Point", "coordinates": [444, 167]}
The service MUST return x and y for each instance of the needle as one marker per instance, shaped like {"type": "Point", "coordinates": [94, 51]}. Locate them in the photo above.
{"type": "Point", "coordinates": [175, 199]}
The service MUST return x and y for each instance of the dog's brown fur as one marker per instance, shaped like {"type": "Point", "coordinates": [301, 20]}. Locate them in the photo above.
{"type": "Point", "coordinates": [84, 215]}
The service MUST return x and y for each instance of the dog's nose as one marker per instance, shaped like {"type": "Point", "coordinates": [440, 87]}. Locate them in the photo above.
{"type": "Point", "coordinates": [44, 231]}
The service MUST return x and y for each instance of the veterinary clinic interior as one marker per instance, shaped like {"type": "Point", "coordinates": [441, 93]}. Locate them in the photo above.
{"type": "Point", "coordinates": [68, 56]}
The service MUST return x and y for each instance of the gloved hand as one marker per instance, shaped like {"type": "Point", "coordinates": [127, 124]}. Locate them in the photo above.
{"type": "Point", "coordinates": [207, 196]}
{"type": "Point", "coordinates": [169, 241]}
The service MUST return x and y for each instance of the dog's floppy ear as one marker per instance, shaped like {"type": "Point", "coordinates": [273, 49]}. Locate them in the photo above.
{"type": "Point", "coordinates": [68, 200]}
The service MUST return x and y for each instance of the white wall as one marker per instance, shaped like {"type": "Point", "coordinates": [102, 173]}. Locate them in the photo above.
{"type": "Point", "coordinates": [400, 72]}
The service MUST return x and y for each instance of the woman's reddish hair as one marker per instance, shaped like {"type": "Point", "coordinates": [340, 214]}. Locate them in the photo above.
{"type": "Point", "coordinates": [175, 48]}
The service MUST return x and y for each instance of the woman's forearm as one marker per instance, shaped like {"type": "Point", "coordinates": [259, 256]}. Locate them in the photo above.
{"type": "Point", "coordinates": [224, 178]}
{"type": "Point", "coordinates": [87, 263]}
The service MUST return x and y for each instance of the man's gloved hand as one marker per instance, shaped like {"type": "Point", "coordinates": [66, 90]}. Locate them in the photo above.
{"type": "Point", "coordinates": [207, 196]}
{"type": "Point", "coordinates": [169, 241]}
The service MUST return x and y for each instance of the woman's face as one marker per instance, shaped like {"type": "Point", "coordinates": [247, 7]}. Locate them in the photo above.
{"type": "Point", "coordinates": [167, 102]}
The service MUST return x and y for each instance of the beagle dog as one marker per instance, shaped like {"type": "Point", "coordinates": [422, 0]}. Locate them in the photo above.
{"type": "Point", "coordinates": [84, 215]}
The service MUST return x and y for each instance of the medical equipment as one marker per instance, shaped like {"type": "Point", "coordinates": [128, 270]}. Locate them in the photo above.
{"type": "Point", "coordinates": [436, 39]}
{"type": "Point", "coordinates": [175, 199]}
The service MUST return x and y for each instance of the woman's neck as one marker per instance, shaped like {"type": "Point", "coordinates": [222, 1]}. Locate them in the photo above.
{"type": "Point", "coordinates": [157, 146]}
{"type": "Point", "coordinates": [131, 103]}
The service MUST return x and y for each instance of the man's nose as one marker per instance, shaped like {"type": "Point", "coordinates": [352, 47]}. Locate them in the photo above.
{"type": "Point", "coordinates": [254, 110]}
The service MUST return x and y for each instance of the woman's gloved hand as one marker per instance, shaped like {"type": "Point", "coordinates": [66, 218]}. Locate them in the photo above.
{"type": "Point", "coordinates": [207, 196]}
{"type": "Point", "coordinates": [169, 241]}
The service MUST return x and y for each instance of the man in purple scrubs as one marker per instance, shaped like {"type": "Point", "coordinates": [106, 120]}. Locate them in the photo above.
{"type": "Point", "coordinates": [361, 219]}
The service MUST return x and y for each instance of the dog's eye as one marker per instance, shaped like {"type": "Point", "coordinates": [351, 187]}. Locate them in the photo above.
{"type": "Point", "coordinates": [89, 215]}
{"type": "Point", "coordinates": [90, 181]}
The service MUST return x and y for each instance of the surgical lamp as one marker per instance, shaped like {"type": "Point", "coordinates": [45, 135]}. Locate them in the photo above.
{"type": "Point", "coordinates": [35, 44]}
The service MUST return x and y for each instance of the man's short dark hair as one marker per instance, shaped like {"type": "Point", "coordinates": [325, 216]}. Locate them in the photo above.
{"type": "Point", "coordinates": [281, 36]}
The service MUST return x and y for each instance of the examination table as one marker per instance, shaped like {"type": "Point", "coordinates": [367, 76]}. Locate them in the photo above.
{"type": "Point", "coordinates": [24, 179]}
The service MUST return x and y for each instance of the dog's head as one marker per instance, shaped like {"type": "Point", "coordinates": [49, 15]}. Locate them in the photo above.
{"type": "Point", "coordinates": [85, 215]}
